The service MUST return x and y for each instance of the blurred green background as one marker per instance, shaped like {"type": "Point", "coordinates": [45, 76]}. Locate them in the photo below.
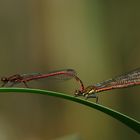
{"type": "Point", "coordinates": [99, 39]}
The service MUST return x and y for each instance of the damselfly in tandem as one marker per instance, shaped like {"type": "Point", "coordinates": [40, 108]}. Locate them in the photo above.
{"type": "Point", "coordinates": [122, 81]}
{"type": "Point", "coordinates": [65, 74]}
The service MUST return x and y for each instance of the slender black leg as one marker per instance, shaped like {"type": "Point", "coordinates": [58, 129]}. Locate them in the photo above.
{"type": "Point", "coordinates": [25, 84]}
{"type": "Point", "coordinates": [91, 96]}
{"type": "Point", "coordinates": [97, 99]}
{"type": "Point", "coordinates": [3, 85]}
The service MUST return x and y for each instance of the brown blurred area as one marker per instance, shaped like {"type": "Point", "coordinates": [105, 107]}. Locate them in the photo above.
{"type": "Point", "coordinates": [99, 39]}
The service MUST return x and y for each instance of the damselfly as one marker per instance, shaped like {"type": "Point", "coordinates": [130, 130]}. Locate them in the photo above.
{"type": "Point", "coordinates": [122, 81]}
{"type": "Point", "coordinates": [24, 78]}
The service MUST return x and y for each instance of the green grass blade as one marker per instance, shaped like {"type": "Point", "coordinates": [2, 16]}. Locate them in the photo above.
{"type": "Point", "coordinates": [130, 122]}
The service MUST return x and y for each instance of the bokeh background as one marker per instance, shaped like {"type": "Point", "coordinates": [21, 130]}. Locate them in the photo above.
{"type": "Point", "coordinates": [99, 39]}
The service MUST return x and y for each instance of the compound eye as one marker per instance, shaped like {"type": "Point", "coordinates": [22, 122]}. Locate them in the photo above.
{"type": "Point", "coordinates": [78, 93]}
{"type": "Point", "coordinates": [4, 79]}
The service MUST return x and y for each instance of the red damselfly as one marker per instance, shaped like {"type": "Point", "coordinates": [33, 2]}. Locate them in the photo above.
{"type": "Point", "coordinates": [24, 78]}
{"type": "Point", "coordinates": [122, 81]}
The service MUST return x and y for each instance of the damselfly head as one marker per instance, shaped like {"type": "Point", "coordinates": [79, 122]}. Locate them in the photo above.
{"type": "Point", "coordinates": [87, 91]}
{"type": "Point", "coordinates": [78, 93]}
{"type": "Point", "coordinates": [4, 79]}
